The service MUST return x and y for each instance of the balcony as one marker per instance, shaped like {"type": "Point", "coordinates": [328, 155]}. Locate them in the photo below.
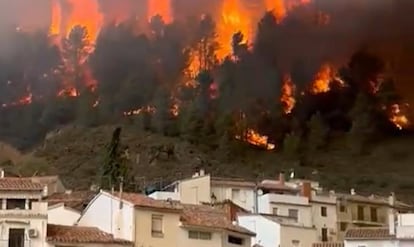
{"type": "Point", "coordinates": [38, 210]}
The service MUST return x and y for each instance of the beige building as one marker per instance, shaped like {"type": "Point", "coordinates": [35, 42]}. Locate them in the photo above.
{"type": "Point", "coordinates": [366, 211]}
{"type": "Point", "coordinates": [203, 188]}
{"type": "Point", "coordinates": [156, 223]}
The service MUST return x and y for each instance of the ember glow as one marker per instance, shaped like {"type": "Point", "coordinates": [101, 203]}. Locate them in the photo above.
{"type": "Point", "coordinates": [398, 117]}
{"type": "Point", "coordinates": [288, 95]}
{"type": "Point", "coordinates": [160, 7]}
{"type": "Point", "coordinates": [323, 79]}
{"type": "Point", "coordinates": [145, 109]}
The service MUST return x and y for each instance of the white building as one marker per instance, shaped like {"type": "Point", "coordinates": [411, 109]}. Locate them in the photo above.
{"type": "Point", "coordinates": [59, 214]}
{"type": "Point", "coordinates": [23, 216]}
{"type": "Point", "coordinates": [273, 231]}
{"type": "Point", "coordinates": [399, 233]}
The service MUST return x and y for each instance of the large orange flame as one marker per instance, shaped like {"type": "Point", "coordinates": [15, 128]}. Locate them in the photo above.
{"type": "Point", "coordinates": [233, 19]}
{"type": "Point", "coordinates": [160, 7]}
{"type": "Point", "coordinates": [253, 137]}
{"type": "Point", "coordinates": [398, 117]}
{"type": "Point", "coordinates": [79, 12]}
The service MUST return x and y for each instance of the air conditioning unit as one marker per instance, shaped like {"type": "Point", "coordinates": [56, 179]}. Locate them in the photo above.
{"type": "Point", "coordinates": [33, 233]}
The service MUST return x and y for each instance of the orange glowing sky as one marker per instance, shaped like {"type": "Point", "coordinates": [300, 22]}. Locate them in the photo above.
{"type": "Point", "coordinates": [160, 7]}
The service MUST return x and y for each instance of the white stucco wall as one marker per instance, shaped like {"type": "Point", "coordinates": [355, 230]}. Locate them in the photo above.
{"type": "Point", "coordinates": [195, 190]}
{"type": "Point", "coordinates": [371, 243]}
{"type": "Point", "coordinates": [329, 221]}
{"type": "Point", "coordinates": [267, 231]}
{"type": "Point", "coordinates": [104, 212]}
{"type": "Point", "coordinates": [60, 215]}
{"type": "Point", "coordinates": [245, 197]}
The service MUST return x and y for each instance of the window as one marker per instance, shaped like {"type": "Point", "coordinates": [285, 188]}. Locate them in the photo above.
{"type": "Point", "coordinates": [156, 226]}
{"type": "Point", "coordinates": [235, 240]}
{"type": "Point", "coordinates": [360, 213]}
{"type": "Point", "coordinates": [295, 243]}
{"type": "Point", "coordinates": [235, 193]}
{"type": "Point", "coordinates": [293, 213]}
{"type": "Point", "coordinates": [324, 212]}
{"type": "Point", "coordinates": [199, 235]}
{"type": "Point", "coordinates": [374, 214]}
{"type": "Point", "coordinates": [324, 232]}
{"type": "Point", "coordinates": [275, 211]}
{"type": "Point", "coordinates": [342, 208]}
{"type": "Point", "coordinates": [16, 204]}
{"type": "Point", "coordinates": [343, 226]}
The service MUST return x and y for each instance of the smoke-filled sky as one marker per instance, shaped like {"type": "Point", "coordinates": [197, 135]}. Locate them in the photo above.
{"type": "Point", "coordinates": [384, 26]}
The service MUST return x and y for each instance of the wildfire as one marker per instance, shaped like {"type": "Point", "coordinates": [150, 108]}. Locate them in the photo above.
{"type": "Point", "coordinates": [288, 94]}
{"type": "Point", "coordinates": [233, 19]}
{"type": "Point", "coordinates": [323, 79]}
{"type": "Point", "coordinates": [160, 7]}
{"type": "Point", "coordinates": [398, 118]}
{"type": "Point", "coordinates": [145, 109]}
{"type": "Point", "coordinates": [83, 13]}
{"type": "Point", "coordinates": [26, 100]}
{"type": "Point", "coordinates": [70, 92]}
{"type": "Point", "coordinates": [280, 8]}
{"type": "Point", "coordinates": [253, 137]}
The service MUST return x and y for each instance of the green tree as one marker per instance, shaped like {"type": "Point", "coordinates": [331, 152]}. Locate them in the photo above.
{"type": "Point", "coordinates": [291, 145]}
{"type": "Point", "coordinates": [317, 132]}
{"type": "Point", "coordinates": [114, 166]}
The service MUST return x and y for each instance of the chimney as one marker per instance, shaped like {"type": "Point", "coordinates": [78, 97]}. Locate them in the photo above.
{"type": "Point", "coordinates": [306, 190]}
{"type": "Point", "coordinates": [282, 178]}
{"type": "Point", "coordinates": [202, 172]}
{"type": "Point", "coordinates": [353, 192]}
{"type": "Point", "coordinates": [1, 173]}
{"type": "Point", "coordinates": [391, 216]}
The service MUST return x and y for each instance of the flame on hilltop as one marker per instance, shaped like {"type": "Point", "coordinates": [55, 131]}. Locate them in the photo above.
{"type": "Point", "coordinates": [324, 79]}
{"type": "Point", "coordinates": [288, 94]}
{"type": "Point", "coordinates": [398, 118]}
{"type": "Point", "coordinates": [233, 19]}
{"type": "Point", "coordinates": [280, 8]}
{"type": "Point", "coordinates": [160, 7]}
{"type": "Point", "coordinates": [80, 12]}
{"type": "Point", "coordinates": [253, 137]}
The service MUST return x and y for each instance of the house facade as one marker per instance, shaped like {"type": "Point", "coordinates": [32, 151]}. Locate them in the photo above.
{"type": "Point", "coordinates": [273, 231]}
{"type": "Point", "coordinates": [149, 222]}
{"type": "Point", "coordinates": [23, 216]}
{"type": "Point", "coordinates": [59, 214]}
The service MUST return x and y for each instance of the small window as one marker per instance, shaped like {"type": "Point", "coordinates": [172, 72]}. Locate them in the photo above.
{"type": "Point", "coordinates": [199, 235]}
{"type": "Point", "coordinates": [324, 232]}
{"type": "Point", "coordinates": [293, 213]}
{"type": "Point", "coordinates": [374, 214]}
{"type": "Point", "coordinates": [360, 213]}
{"type": "Point", "coordinates": [275, 211]}
{"type": "Point", "coordinates": [235, 240]}
{"type": "Point", "coordinates": [343, 226]}
{"type": "Point", "coordinates": [342, 208]}
{"type": "Point", "coordinates": [156, 226]}
{"type": "Point", "coordinates": [324, 212]}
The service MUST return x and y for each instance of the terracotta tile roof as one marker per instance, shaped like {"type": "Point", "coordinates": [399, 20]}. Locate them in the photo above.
{"type": "Point", "coordinates": [15, 184]}
{"type": "Point", "coordinates": [232, 182]}
{"type": "Point", "coordinates": [80, 235]}
{"type": "Point", "coordinates": [371, 199]}
{"type": "Point", "coordinates": [328, 244]}
{"type": "Point", "coordinates": [208, 217]}
{"type": "Point", "coordinates": [140, 200]}
{"type": "Point", "coordinates": [368, 233]}
{"type": "Point", "coordinates": [76, 199]}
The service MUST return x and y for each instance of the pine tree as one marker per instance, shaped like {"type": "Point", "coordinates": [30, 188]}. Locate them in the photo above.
{"type": "Point", "coordinates": [317, 132]}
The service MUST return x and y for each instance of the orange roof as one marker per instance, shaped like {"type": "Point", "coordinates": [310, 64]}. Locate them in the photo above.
{"type": "Point", "coordinates": [140, 200]}
{"type": "Point", "coordinates": [206, 216]}
{"type": "Point", "coordinates": [80, 234]}
{"type": "Point", "coordinates": [16, 184]}
{"type": "Point", "coordinates": [372, 233]}
{"type": "Point", "coordinates": [77, 199]}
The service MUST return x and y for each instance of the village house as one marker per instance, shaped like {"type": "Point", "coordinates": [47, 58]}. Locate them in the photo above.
{"type": "Point", "coordinates": [157, 223]}
{"type": "Point", "coordinates": [274, 231]}
{"type": "Point", "coordinates": [66, 208]}
{"type": "Point", "coordinates": [357, 211]}
{"type": "Point", "coordinates": [23, 215]}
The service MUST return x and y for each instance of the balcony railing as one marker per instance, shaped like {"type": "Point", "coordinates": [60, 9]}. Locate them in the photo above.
{"type": "Point", "coordinates": [7, 243]}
